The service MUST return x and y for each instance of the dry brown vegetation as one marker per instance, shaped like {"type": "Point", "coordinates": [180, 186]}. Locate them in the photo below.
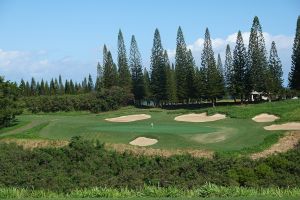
{"type": "Point", "coordinates": [289, 141]}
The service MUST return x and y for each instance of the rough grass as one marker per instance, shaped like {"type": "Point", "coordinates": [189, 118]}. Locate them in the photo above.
{"type": "Point", "coordinates": [205, 191]}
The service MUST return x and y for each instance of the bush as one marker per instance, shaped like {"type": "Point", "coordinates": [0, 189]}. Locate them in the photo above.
{"type": "Point", "coordinates": [9, 107]}
{"type": "Point", "coordinates": [84, 164]}
{"type": "Point", "coordinates": [105, 100]}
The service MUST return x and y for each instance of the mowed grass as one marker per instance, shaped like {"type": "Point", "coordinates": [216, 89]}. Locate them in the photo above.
{"type": "Point", "coordinates": [236, 132]}
{"type": "Point", "coordinates": [170, 198]}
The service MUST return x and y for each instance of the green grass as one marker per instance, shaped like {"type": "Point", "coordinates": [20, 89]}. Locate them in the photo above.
{"type": "Point", "coordinates": [209, 191]}
{"type": "Point", "coordinates": [240, 132]}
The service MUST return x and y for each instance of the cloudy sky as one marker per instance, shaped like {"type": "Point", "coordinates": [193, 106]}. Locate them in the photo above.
{"type": "Point", "coordinates": [46, 38]}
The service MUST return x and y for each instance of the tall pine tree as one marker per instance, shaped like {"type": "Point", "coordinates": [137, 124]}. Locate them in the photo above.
{"type": "Point", "coordinates": [124, 73]}
{"type": "Point", "coordinates": [257, 58]}
{"type": "Point", "coordinates": [294, 75]}
{"type": "Point", "coordinates": [135, 63]}
{"type": "Point", "coordinates": [239, 69]}
{"type": "Point", "coordinates": [228, 73]}
{"type": "Point", "coordinates": [274, 73]}
{"type": "Point", "coordinates": [181, 66]}
{"type": "Point", "coordinates": [212, 77]}
{"type": "Point", "coordinates": [190, 75]}
{"type": "Point", "coordinates": [171, 83]}
{"type": "Point", "coordinates": [147, 85]}
{"type": "Point", "coordinates": [99, 81]}
{"type": "Point", "coordinates": [90, 84]}
{"type": "Point", "coordinates": [110, 74]}
{"type": "Point", "coordinates": [158, 71]}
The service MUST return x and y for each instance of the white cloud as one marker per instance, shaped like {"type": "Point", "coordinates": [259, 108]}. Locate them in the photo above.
{"type": "Point", "coordinates": [15, 65]}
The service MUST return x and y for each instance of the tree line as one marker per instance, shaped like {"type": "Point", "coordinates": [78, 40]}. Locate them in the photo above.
{"type": "Point", "coordinates": [244, 71]}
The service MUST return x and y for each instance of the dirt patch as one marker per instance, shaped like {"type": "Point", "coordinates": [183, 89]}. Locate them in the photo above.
{"type": "Point", "coordinates": [264, 117]}
{"type": "Point", "coordinates": [291, 126]}
{"type": "Point", "coordinates": [202, 117]}
{"type": "Point", "coordinates": [129, 118]}
{"type": "Point", "coordinates": [289, 141]}
{"type": "Point", "coordinates": [36, 143]}
{"type": "Point", "coordinates": [143, 141]}
{"type": "Point", "coordinates": [27, 126]}
{"type": "Point", "coordinates": [148, 151]}
{"type": "Point", "coordinates": [213, 137]}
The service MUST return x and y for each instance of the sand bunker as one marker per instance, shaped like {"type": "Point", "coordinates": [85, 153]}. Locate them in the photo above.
{"type": "Point", "coordinates": [143, 141]}
{"type": "Point", "coordinates": [264, 117]}
{"type": "Point", "coordinates": [129, 118]}
{"type": "Point", "coordinates": [202, 117]}
{"type": "Point", "coordinates": [287, 126]}
{"type": "Point", "coordinates": [289, 141]}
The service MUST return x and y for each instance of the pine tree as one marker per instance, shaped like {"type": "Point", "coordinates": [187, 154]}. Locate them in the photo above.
{"type": "Point", "coordinates": [181, 67]}
{"type": "Point", "coordinates": [99, 71]}
{"type": "Point", "coordinates": [90, 84]}
{"type": "Point", "coordinates": [42, 88]}
{"type": "Point", "coordinates": [124, 73]}
{"type": "Point", "coordinates": [105, 52]}
{"type": "Point", "coordinates": [73, 89]}
{"type": "Point", "coordinates": [147, 86]}
{"type": "Point", "coordinates": [274, 74]}
{"type": "Point", "coordinates": [135, 63]}
{"type": "Point", "coordinates": [171, 82]}
{"type": "Point", "coordinates": [47, 89]}
{"type": "Point", "coordinates": [200, 83]}
{"type": "Point", "coordinates": [33, 87]}
{"type": "Point", "coordinates": [294, 75]}
{"type": "Point", "coordinates": [52, 87]}
{"type": "Point", "coordinates": [84, 84]}
{"type": "Point", "coordinates": [61, 85]}
{"type": "Point", "coordinates": [257, 58]}
{"type": "Point", "coordinates": [56, 87]}
{"type": "Point", "coordinates": [212, 77]}
{"type": "Point", "coordinates": [228, 74]}
{"type": "Point", "coordinates": [158, 70]}
{"type": "Point", "coordinates": [221, 85]}
{"type": "Point", "coordinates": [22, 87]}
{"type": "Point", "coordinates": [99, 81]}
{"type": "Point", "coordinates": [239, 69]}
{"type": "Point", "coordinates": [27, 89]}
{"type": "Point", "coordinates": [110, 75]}
{"type": "Point", "coordinates": [38, 88]}
{"type": "Point", "coordinates": [67, 87]}
{"type": "Point", "coordinates": [190, 75]}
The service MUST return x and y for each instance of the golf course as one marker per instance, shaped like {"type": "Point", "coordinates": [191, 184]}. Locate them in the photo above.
{"type": "Point", "coordinates": [236, 132]}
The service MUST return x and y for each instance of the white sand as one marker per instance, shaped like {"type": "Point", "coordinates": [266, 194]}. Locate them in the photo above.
{"type": "Point", "coordinates": [264, 117]}
{"type": "Point", "coordinates": [287, 126]}
{"type": "Point", "coordinates": [129, 118]}
{"type": "Point", "coordinates": [143, 141]}
{"type": "Point", "coordinates": [202, 117]}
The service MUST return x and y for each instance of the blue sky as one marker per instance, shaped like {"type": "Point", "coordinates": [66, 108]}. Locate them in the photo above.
{"type": "Point", "coordinates": [51, 37]}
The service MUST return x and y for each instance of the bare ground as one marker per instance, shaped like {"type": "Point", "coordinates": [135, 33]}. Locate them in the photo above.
{"type": "Point", "coordinates": [265, 117]}
{"type": "Point", "coordinates": [289, 141]}
{"type": "Point", "coordinates": [143, 141]}
{"type": "Point", "coordinates": [202, 117]}
{"type": "Point", "coordinates": [129, 118]}
{"type": "Point", "coordinates": [291, 126]}
{"type": "Point", "coordinates": [36, 143]}
{"type": "Point", "coordinates": [146, 151]}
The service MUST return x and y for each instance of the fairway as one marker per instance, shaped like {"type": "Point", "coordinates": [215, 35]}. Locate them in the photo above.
{"type": "Point", "coordinates": [223, 135]}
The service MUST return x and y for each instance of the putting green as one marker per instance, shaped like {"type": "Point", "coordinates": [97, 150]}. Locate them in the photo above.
{"type": "Point", "coordinates": [223, 135]}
